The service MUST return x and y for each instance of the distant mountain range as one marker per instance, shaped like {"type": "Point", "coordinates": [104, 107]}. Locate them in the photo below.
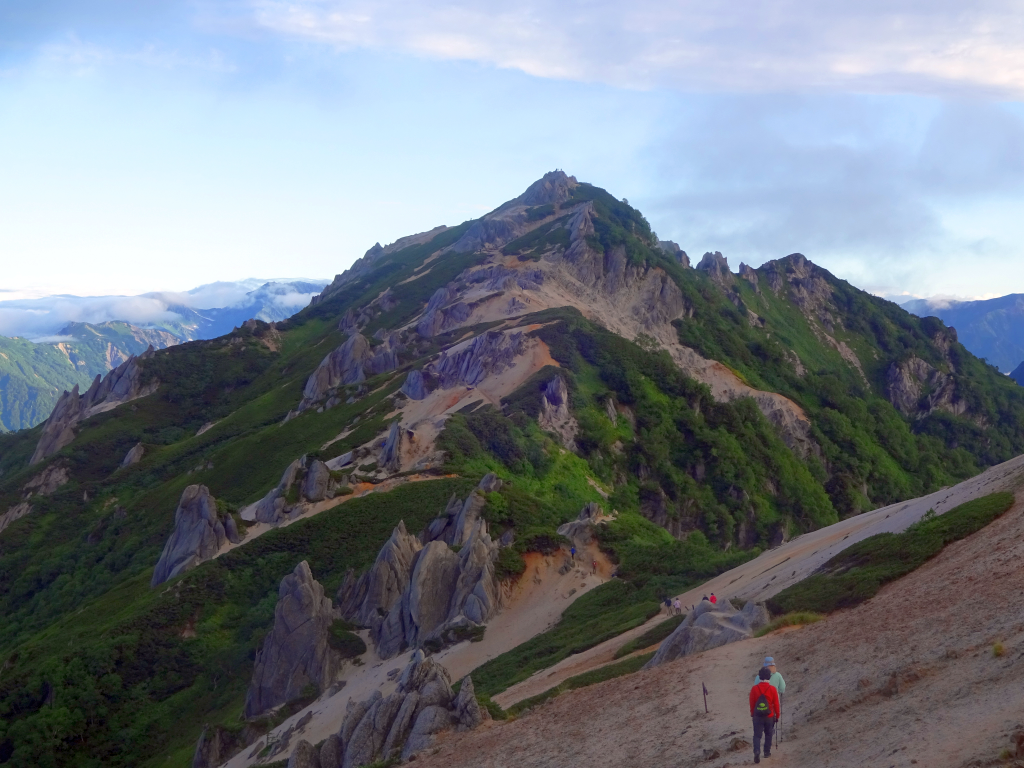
{"type": "Point", "coordinates": [990, 328]}
{"type": "Point", "coordinates": [34, 371]}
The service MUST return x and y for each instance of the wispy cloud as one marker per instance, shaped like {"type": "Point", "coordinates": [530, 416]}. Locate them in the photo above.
{"type": "Point", "coordinates": [914, 46]}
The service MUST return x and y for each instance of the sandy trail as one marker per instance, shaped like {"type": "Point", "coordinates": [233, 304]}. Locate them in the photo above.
{"type": "Point", "coordinates": [907, 678]}
{"type": "Point", "coordinates": [533, 605]}
{"type": "Point", "coordinates": [778, 568]}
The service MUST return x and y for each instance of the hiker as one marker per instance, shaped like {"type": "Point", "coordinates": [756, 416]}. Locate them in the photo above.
{"type": "Point", "coordinates": [713, 598]}
{"type": "Point", "coordinates": [593, 568]}
{"type": "Point", "coordinates": [764, 711]}
{"type": "Point", "coordinates": [774, 677]}
{"type": "Point", "coordinates": [668, 605]}
{"type": "Point", "coordinates": [572, 552]}
{"type": "Point", "coordinates": [704, 598]}
{"type": "Point", "coordinates": [678, 607]}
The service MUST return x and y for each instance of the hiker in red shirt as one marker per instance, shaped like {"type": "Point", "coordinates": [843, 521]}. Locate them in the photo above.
{"type": "Point", "coordinates": [713, 598]}
{"type": "Point", "coordinates": [764, 710]}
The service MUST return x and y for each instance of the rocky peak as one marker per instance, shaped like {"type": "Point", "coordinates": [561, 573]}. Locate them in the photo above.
{"type": "Point", "coordinates": [748, 274]}
{"type": "Point", "coordinates": [553, 187]}
{"type": "Point", "coordinates": [716, 266]}
{"type": "Point", "coordinates": [677, 253]}
{"type": "Point", "coordinates": [296, 652]}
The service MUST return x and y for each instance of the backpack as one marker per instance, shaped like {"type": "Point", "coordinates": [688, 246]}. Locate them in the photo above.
{"type": "Point", "coordinates": [761, 707]}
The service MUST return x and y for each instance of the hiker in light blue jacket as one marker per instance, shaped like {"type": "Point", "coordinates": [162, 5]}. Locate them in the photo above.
{"type": "Point", "coordinates": [775, 679]}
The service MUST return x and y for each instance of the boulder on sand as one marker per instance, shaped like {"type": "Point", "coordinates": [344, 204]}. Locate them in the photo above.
{"type": "Point", "coordinates": [710, 625]}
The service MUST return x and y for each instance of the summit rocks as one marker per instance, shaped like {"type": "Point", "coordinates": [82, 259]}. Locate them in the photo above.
{"type": "Point", "coordinates": [296, 653]}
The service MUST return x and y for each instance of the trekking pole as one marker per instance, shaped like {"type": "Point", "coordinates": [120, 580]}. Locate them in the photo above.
{"type": "Point", "coordinates": [705, 697]}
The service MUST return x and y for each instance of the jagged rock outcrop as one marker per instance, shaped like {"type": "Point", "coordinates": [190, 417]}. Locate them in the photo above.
{"type": "Point", "coordinates": [916, 389]}
{"type": "Point", "coordinates": [488, 354]}
{"type": "Point", "coordinates": [134, 456]}
{"type": "Point", "coordinates": [14, 513]}
{"type": "Point", "coordinates": [296, 652]}
{"type": "Point", "coordinates": [49, 480]}
{"type": "Point", "coordinates": [414, 593]}
{"type": "Point", "coordinates": [415, 386]}
{"type": "Point", "coordinates": [554, 187]}
{"type": "Point", "coordinates": [581, 530]}
{"type": "Point", "coordinates": [120, 385]}
{"type": "Point", "coordinates": [397, 726]}
{"type": "Point", "coordinates": [350, 363]}
{"type": "Point", "coordinates": [708, 626]}
{"type": "Point", "coordinates": [443, 311]}
{"type": "Point", "coordinates": [199, 533]}
{"type": "Point", "coordinates": [304, 756]}
{"type": "Point", "coordinates": [216, 745]}
{"type": "Point", "coordinates": [716, 266]}
{"type": "Point", "coordinates": [555, 414]}
{"type": "Point", "coordinates": [390, 458]}
{"type": "Point", "coordinates": [677, 253]}
{"type": "Point", "coordinates": [314, 482]}
{"type": "Point", "coordinates": [750, 275]}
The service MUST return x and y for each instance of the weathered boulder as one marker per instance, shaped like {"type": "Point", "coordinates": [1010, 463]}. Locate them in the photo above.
{"type": "Point", "coordinates": [342, 366]}
{"type": "Point", "coordinates": [272, 508]}
{"type": "Point", "coordinates": [332, 753]}
{"type": "Point", "coordinates": [198, 535]}
{"type": "Point", "coordinates": [317, 481]}
{"type": "Point", "coordinates": [134, 456]}
{"type": "Point", "coordinates": [468, 711]}
{"type": "Point", "coordinates": [304, 756]}
{"type": "Point", "coordinates": [555, 415]}
{"type": "Point", "coordinates": [710, 625]}
{"type": "Point", "coordinates": [459, 518]}
{"type": "Point", "coordinates": [120, 385]}
{"type": "Point", "coordinates": [296, 652]}
{"type": "Point", "coordinates": [381, 587]}
{"type": "Point", "coordinates": [415, 386]}
{"type": "Point", "coordinates": [581, 530]}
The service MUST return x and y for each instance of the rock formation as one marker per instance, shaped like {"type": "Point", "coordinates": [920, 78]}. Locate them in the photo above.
{"type": "Point", "coordinates": [350, 363]}
{"type": "Point", "coordinates": [390, 457]}
{"type": "Point", "coordinates": [120, 385]}
{"type": "Point", "coordinates": [397, 726]}
{"type": "Point", "coordinates": [296, 652]}
{"type": "Point", "coordinates": [314, 482]}
{"type": "Point", "coordinates": [488, 354]}
{"type": "Point", "coordinates": [216, 745]}
{"type": "Point", "coordinates": [415, 386]}
{"type": "Point", "coordinates": [581, 530]}
{"type": "Point", "coordinates": [415, 594]}
{"type": "Point", "coordinates": [916, 389]}
{"type": "Point", "coordinates": [708, 626]}
{"type": "Point", "coordinates": [555, 415]}
{"type": "Point", "coordinates": [134, 456]}
{"type": "Point", "coordinates": [677, 253]}
{"type": "Point", "coordinates": [716, 266]}
{"type": "Point", "coordinates": [198, 534]}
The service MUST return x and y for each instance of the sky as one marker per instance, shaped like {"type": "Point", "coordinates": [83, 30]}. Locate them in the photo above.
{"type": "Point", "coordinates": [162, 145]}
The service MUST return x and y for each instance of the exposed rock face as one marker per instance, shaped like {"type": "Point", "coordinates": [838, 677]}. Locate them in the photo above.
{"type": "Point", "coordinates": [216, 745]}
{"type": "Point", "coordinates": [677, 253]}
{"type": "Point", "coordinates": [134, 456]}
{"type": "Point", "coordinates": [415, 386]}
{"type": "Point", "coordinates": [414, 594]}
{"type": "Point", "coordinates": [717, 267]}
{"type": "Point", "coordinates": [442, 312]}
{"type": "Point", "coordinates": [122, 384]}
{"type": "Point", "coordinates": [397, 726]}
{"type": "Point", "coordinates": [48, 481]}
{"type": "Point", "coordinates": [709, 626]}
{"type": "Point", "coordinates": [350, 363]}
{"type": "Point", "coordinates": [296, 652]}
{"type": "Point", "coordinates": [486, 355]}
{"type": "Point", "coordinates": [316, 482]}
{"type": "Point", "coordinates": [16, 512]}
{"type": "Point", "coordinates": [304, 756]}
{"type": "Point", "coordinates": [198, 535]}
{"type": "Point", "coordinates": [581, 530]}
{"type": "Point", "coordinates": [916, 389]}
{"type": "Point", "coordinates": [749, 274]}
{"type": "Point", "coordinates": [272, 508]}
{"type": "Point", "coordinates": [554, 187]}
{"type": "Point", "coordinates": [555, 414]}
{"type": "Point", "coordinates": [390, 458]}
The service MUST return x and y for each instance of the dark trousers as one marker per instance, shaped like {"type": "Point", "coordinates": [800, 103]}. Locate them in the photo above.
{"type": "Point", "coordinates": [766, 726]}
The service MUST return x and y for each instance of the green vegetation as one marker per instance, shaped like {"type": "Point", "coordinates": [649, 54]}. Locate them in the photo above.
{"type": "Point", "coordinates": [345, 641]}
{"type": "Point", "coordinates": [796, 619]}
{"type": "Point", "coordinates": [858, 572]}
{"type": "Point", "coordinates": [651, 636]}
{"type": "Point", "coordinates": [599, 675]}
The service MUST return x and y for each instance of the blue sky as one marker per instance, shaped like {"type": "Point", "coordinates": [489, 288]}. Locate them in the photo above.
{"type": "Point", "coordinates": [161, 145]}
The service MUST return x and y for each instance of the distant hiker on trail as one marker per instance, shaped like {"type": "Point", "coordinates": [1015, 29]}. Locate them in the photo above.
{"type": "Point", "coordinates": [668, 605]}
{"type": "Point", "coordinates": [572, 552]}
{"type": "Point", "coordinates": [593, 567]}
{"type": "Point", "coordinates": [774, 676]}
{"type": "Point", "coordinates": [678, 607]}
{"type": "Point", "coordinates": [713, 598]}
{"type": "Point", "coordinates": [764, 711]}
{"type": "Point", "coordinates": [705, 598]}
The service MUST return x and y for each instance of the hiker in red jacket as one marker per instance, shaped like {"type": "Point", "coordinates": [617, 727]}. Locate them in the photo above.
{"type": "Point", "coordinates": [764, 710]}
{"type": "Point", "coordinates": [713, 598]}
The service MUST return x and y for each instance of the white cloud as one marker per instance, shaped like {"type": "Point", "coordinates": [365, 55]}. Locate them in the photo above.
{"type": "Point", "coordinates": [903, 46]}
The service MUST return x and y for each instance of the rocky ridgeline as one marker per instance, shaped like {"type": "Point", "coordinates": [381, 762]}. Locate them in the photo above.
{"type": "Point", "coordinates": [419, 592]}
{"type": "Point", "coordinates": [917, 388]}
{"type": "Point", "coordinates": [311, 479]}
{"type": "Point", "coordinates": [350, 363]}
{"type": "Point", "coordinates": [708, 626]}
{"type": "Point", "coordinates": [296, 653]}
{"type": "Point", "coordinates": [395, 727]}
{"type": "Point", "coordinates": [199, 533]}
{"type": "Point", "coordinates": [120, 385]}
